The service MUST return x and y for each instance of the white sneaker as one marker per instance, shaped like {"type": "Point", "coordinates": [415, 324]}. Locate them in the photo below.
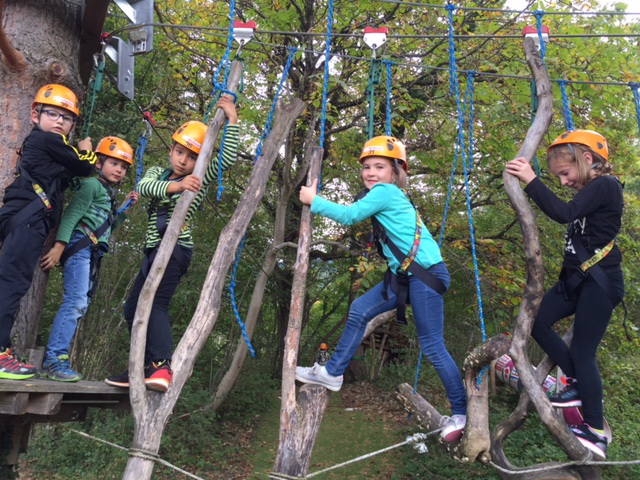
{"type": "Point", "coordinates": [453, 428]}
{"type": "Point", "coordinates": [318, 375]}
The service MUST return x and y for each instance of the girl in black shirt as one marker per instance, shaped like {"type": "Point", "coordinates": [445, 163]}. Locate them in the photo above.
{"type": "Point", "coordinates": [590, 284]}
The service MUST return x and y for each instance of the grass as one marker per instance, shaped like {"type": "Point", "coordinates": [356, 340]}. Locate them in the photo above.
{"type": "Point", "coordinates": [345, 433]}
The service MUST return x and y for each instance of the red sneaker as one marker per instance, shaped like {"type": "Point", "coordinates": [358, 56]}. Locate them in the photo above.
{"type": "Point", "coordinates": [159, 376]}
{"type": "Point", "coordinates": [12, 369]}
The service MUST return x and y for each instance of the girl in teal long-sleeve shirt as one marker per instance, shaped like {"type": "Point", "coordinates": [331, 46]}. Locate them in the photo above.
{"type": "Point", "coordinates": [416, 272]}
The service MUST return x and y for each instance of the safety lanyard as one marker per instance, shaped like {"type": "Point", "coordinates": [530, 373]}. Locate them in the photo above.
{"type": "Point", "coordinates": [411, 256]}
{"type": "Point", "coordinates": [43, 196]}
{"type": "Point", "coordinates": [598, 256]}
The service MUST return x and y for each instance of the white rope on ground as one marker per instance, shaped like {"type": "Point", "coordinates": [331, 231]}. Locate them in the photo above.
{"type": "Point", "coordinates": [137, 453]}
{"type": "Point", "coordinates": [416, 439]}
{"type": "Point", "coordinates": [576, 463]}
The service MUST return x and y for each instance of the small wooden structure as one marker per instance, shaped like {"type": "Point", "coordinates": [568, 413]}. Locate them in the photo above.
{"type": "Point", "coordinates": [25, 402]}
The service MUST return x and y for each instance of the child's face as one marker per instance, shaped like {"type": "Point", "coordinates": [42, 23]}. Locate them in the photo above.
{"type": "Point", "coordinates": [113, 170]}
{"type": "Point", "coordinates": [377, 170]}
{"type": "Point", "coordinates": [48, 122]}
{"type": "Point", "coordinates": [568, 173]}
{"type": "Point", "coordinates": [183, 160]}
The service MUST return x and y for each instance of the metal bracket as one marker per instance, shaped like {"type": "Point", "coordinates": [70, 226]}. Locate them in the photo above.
{"type": "Point", "coordinates": [243, 32]}
{"type": "Point", "coordinates": [532, 32]}
{"type": "Point", "coordinates": [139, 12]}
{"type": "Point", "coordinates": [375, 37]}
{"type": "Point", "coordinates": [120, 52]}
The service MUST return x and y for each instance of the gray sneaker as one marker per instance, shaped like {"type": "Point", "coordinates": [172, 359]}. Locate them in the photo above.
{"type": "Point", "coordinates": [318, 375]}
{"type": "Point", "coordinates": [60, 370]}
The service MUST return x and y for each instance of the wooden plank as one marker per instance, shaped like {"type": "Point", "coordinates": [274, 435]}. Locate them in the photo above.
{"type": "Point", "coordinates": [13, 403]}
{"type": "Point", "coordinates": [44, 403]}
{"type": "Point", "coordinates": [50, 386]}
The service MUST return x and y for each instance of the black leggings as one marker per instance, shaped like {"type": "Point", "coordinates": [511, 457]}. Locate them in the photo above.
{"type": "Point", "coordinates": [592, 308]}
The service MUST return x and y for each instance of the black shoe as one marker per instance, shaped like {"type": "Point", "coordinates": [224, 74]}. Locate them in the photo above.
{"type": "Point", "coordinates": [595, 442]}
{"type": "Point", "coordinates": [567, 397]}
{"type": "Point", "coordinates": [121, 380]}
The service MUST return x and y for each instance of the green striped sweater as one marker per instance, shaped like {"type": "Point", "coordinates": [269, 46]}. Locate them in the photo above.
{"type": "Point", "coordinates": [154, 186]}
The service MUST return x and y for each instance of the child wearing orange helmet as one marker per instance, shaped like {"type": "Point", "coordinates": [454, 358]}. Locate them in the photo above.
{"type": "Point", "coordinates": [415, 270]}
{"type": "Point", "coordinates": [591, 282]}
{"type": "Point", "coordinates": [164, 186]}
{"type": "Point", "coordinates": [32, 205]}
{"type": "Point", "coordinates": [81, 242]}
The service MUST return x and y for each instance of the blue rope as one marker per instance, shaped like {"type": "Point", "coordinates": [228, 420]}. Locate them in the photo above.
{"type": "Point", "coordinates": [636, 98]}
{"type": "Point", "coordinates": [418, 366]}
{"type": "Point", "coordinates": [543, 48]}
{"type": "Point", "coordinates": [139, 153]}
{"type": "Point", "coordinates": [453, 67]}
{"type": "Point", "coordinates": [469, 100]}
{"type": "Point", "coordinates": [388, 64]}
{"type": "Point", "coordinates": [325, 80]}
{"type": "Point", "coordinates": [269, 123]}
{"type": "Point", "coordinates": [568, 118]}
{"type": "Point", "coordinates": [232, 293]}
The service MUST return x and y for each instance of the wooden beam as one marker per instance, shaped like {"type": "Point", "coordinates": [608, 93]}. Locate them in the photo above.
{"type": "Point", "coordinates": [95, 12]}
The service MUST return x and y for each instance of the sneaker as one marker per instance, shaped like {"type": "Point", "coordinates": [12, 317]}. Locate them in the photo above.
{"type": "Point", "coordinates": [595, 442]}
{"type": "Point", "coordinates": [121, 380]}
{"type": "Point", "coordinates": [59, 369]}
{"type": "Point", "coordinates": [453, 428]}
{"type": "Point", "coordinates": [158, 376]}
{"type": "Point", "coordinates": [12, 369]}
{"type": "Point", "coordinates": [318, 375]}
{"type": "Point", "coordinates": [567, 397]}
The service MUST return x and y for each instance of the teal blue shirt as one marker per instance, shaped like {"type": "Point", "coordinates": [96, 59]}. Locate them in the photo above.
{"type": "Point", "coordinates": [395, 213]}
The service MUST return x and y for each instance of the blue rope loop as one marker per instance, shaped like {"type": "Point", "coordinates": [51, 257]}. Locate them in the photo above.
{"type": "Point", "coordinates": [543, 48]}
{"type": "Point", "coordinates": [232, 294]}
{"type": "Point", "coordinates": [269, 123]}
{"type": "Point", "coordinates": [417, 376]}
{"type": "Point", "coordinates": [453, 67]}
{"type": "Point", "coordinates": [635, 86]}
{"type": "Point", "coordinates": [568, 118]}
{"type": "Point", "coordinates": [325, 80]}
{"type": "Point", "coordinates": [388, 64]}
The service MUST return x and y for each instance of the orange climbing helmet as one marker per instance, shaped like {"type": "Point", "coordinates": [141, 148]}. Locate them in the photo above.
{"type": "Point", "coordinates": [191, 135]}
{"type": "Point", "coordinates": [385, 146]}
{"type": "Point", "coordinates": [589, 138]}
{"type": "Point", "coordinates": [117, 148]}
{"type": "Point", "coordinates": [58, 96]}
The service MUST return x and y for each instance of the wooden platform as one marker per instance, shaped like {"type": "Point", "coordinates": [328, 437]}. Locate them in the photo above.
{"type": "Point", "coordinates": [40, 400]}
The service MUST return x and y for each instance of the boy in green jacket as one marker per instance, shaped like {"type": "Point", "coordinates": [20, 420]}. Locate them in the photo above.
{"type": "Point", "coordinates": [82, 240]}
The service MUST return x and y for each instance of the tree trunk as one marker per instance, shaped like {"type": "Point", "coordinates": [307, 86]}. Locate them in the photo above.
{"type": "Point", "coordinates": [30, 61]}
{"type": "Point", "coordinates": [151, 409]}
{"type": "Point", "coordinates": [297, 430]}
{"type": "Point", "coordinates": [533, 291]}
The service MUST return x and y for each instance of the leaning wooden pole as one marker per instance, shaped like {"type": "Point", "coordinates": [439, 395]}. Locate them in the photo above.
{"type": "Point", "coordinates": [299, 422]}
{"type": "Point", "coordinates": [152, 409]}
{"type": "Point", "coordinates": [531, 300]}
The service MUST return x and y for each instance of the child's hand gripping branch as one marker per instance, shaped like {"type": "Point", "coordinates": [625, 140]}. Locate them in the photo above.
{"type": "Point", "coordinates": [521, 168]}
{"type": "Point", "coordinates": [307, 194]}
{"type": "Point", "coordinates": [52, 257]}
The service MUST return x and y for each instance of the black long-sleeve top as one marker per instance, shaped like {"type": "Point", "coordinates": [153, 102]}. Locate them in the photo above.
{"type": "Point", "coordinates": [46, 156]}
{"type": "Point", "coordinates": [595, 213]}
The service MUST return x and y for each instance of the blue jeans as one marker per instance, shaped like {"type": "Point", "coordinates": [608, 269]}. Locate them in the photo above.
{"type": "Point", "coordinates": [428, 314]}
{"type": "Point", "coordinates": [76, 282]}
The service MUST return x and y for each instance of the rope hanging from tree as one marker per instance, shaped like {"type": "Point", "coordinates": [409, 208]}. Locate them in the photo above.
{"type": "Point", "coordinates": [388, 64]}
{"type": "Point", "coordinates": [325, 79]}
{"type": "Point", "coordinates": [566, 111]}
{"type": "Point", "coordinates": [543, 47]}
{"type": "Point", "coordinates": [139, 154]}
{"type": "Point", "coordinates": [636, 99]}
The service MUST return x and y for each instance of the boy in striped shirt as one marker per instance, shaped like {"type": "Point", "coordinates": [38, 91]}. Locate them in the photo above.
{"type": "Point", "coordinates": [164, 187]}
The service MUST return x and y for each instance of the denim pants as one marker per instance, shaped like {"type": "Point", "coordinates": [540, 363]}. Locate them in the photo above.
{"type": "Point", "coordinates": [76, 282]}
{"type": "Point", "coordinates": [428, 314]}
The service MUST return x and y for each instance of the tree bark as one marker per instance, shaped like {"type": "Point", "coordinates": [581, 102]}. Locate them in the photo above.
{"type": "Point", "coordinates": [297, 431]}
{"type": "Point", "coordinates": [151, 409]}
{"type": "Point", "coordinates": [533, 293]}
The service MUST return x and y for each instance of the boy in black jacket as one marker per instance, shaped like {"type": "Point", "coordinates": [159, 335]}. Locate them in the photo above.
{"type": "Point", "coordinates": [32, 205]}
